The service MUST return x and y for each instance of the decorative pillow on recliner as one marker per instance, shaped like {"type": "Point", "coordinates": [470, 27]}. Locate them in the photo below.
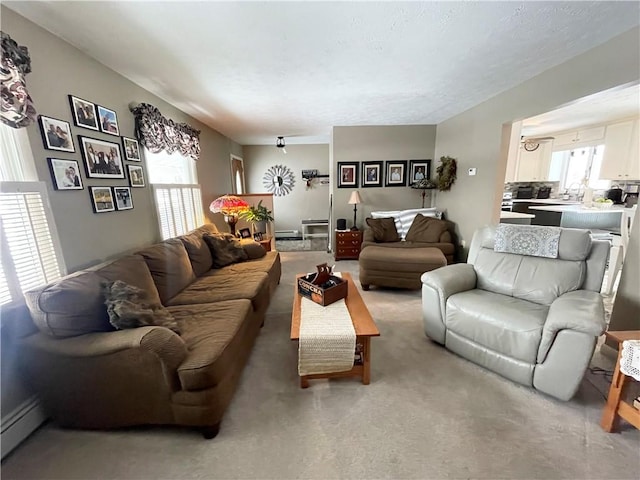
{"type": "Point", "coordinates": [426, 229]}
{"type": "Point", "coordinates": [130, 307]}
{"type": "Point", "coordinates": [225, 249]}
{"type": "Point", "coordinates": [384, 229]}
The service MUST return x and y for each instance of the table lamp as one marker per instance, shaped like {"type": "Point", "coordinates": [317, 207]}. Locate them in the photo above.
{"type": "Point", "coordinates": [230, 206]}
{"type": "Point", "coordinates": [355, 200]}
{"type": "Point", "coordinates": [424, 185]}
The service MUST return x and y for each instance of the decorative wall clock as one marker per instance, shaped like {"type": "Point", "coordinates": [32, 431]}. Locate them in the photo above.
{"type": "Point", "coordinates": [278, 180]}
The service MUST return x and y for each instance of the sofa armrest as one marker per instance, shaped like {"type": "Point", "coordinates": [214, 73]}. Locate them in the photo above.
{"type": "Point", "coordinates": [437, 286]}
{"type": "Point", "coordinates": [580, 310]}
{"type": "Point", "coordinates": [160, 341]}
{"type": "Point", "coordinates": [367, 236]}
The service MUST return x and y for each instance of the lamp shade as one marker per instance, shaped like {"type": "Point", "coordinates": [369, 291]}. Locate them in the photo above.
{"type": "Point", "coordinates": [228, 205]}
{"type": "Point", "coordinates": [355, 198]}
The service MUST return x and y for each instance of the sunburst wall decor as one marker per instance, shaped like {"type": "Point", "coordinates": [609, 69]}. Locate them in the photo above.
{"type": "Point", "coordinates": [279, 180]}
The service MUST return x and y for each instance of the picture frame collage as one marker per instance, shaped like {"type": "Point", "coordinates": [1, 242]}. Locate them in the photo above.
{"type": "Point", "coordinates": [378, 173]}
{"type": "Point", "coordinates": [102, 158]}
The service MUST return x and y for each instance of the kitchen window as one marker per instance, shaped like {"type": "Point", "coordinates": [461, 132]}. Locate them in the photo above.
{"type": "Point", "coordinates": [572, 167]}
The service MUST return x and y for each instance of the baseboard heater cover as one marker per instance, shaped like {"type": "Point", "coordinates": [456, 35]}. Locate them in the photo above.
{"type": "Point", "coordinates": [287, 233]}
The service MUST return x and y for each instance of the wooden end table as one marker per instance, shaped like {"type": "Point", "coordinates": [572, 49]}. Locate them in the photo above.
{"type": "Point", "coordinates": [616, 407]}
{"type": "Point", "coordinates": [363, 324]}
{"type": "Point", "coordinates": [266, 243]}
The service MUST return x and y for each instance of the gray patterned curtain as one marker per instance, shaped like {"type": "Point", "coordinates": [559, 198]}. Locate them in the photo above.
{"type": "Point", "coordinates": [17, 106]}
{"type": "Point", "coordinates": [158, 133]}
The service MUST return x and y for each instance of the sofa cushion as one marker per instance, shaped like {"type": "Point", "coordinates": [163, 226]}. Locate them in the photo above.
{"type": "Point", "coordinates": [225, 249]}
{"type": "Point", "coordinates": [253, 249]}
{"type": "Point", "coordinates": [198, 251]}
{"type": "Point", "coordinates": [216, 336]}
{"type": "Point", "coordinates": [170, 267]}
{"type": "Point", "coordinates": [131, 269]}
{"type": "Point", "coordinates": [384, 229]}
{"type": "Point", "coordinates": [426, 229]}
{"type": "Point", "coordinates": [130, 307]}
{"type": "Point", "coordinates": [226, 285]}
{"type": "Point", "coordinates": [504, 324]}
{"type": "Point", "coordinates": [70, 307]}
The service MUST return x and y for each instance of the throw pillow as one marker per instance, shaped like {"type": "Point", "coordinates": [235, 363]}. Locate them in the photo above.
{"type": "Point", "coordinates": [253, 249]}
{"type": "Point", "coordinates": [384, 229]}
{"type": "Point", "coordinates": [130, 307]}
{"type": "Point", "coordinates": [426, 229]}
{"type": "Point", "coordinates": [225, 249]}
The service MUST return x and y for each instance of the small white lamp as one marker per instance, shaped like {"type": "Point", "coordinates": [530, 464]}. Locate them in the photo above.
{"type": "Point", "coordinates": [355, 200]}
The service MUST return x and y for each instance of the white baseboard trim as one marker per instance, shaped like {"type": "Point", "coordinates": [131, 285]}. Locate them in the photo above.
{"type": "Point", "coordinates": [21, 423]}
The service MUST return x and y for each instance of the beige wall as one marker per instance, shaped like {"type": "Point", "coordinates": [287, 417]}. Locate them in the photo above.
{"type": "Point", "coordinates": [58, 69]}
{"type": "Point", "coordinates": [359, 144]}
{"type": "Point", "coordinates": [303, 202]}
{"type": "Point", "coordinates": [474, 137]}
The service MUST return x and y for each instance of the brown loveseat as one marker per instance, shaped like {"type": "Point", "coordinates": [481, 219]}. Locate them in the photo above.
{"type": "Point", "coordinates": [89, 375]}
{"type": "Point", "coordinates": [401, 263]}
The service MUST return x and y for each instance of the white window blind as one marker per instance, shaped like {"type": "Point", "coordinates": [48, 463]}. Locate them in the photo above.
{"type": "Point", "coordinates": [28, 241]}
{"type": "Point", "coordinates": [179, 208]}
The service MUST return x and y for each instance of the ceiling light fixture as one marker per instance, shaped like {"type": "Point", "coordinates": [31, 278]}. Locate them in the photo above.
{"type": "Point", "coordinates": [280, 144]}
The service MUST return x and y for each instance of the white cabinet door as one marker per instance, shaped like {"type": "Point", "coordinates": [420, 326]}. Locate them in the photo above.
{"type": "Point", "coordinates": [617, 146]}
{"type": "Point", "coordinates": [534, 166]}
{"type": "Point", "coordinates": [564, 140]}
{"type": "Point", "coordinates": [633, 164]}
{"type": "Point", "coordinates": [545, 160]}
{"type": "Point", "coordinates": [590, 135]}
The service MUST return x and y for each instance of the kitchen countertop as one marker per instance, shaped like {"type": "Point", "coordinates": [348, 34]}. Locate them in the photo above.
{"type": "Point", "coordinates": [510, 215]}
{"type": "Point", "coordinates": [550, 201]}
{"type": "Point", "coordinates": [578, 208]}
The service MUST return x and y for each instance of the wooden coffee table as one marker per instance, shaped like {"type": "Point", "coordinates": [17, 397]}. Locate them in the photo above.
{"type": "Point", "coordinates": [363, 324]}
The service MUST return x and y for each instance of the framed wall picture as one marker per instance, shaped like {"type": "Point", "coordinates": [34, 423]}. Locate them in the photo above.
{"type": "Point", "coordinates": [419, 170]}
{"type": "Point", "coordinates": [102, 199]}
{"type": "Point", "coordinates": [372, 173]}
{"type": "Point", "coordinates": [131, 149]}
{"type": "Point", "coordinates": [136, 176]}
{"type": "Point", "coordinates": [108, 121]}
{"type": "Point", "coordinates": [122, 196]}
{"type": "Point", "coordinates": [83, 113]}
{"type": "Point", "coordinates": [245, 233]}
{"type": "Point", "coordinates": [102, 159]}
{"type": "Point", "coordinates": [56, 134]}
{"type": "Point", "coordinates": [65, 174]}
{"type": "Point", "coordinates": [395, 173]}
{"type": "Point", "coordinates": [348, 174]}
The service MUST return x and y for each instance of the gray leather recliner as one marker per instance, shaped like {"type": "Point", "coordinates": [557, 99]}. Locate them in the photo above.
{"type": "Point", "coordinates": [533, 320]}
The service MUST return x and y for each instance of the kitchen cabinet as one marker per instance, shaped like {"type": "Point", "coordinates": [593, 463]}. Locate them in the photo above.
{"type": "Point", "coordinates": [569, 140]}
{"type": "Point", "coordinates": [621, 158]}
{"type": "Point", "coordinates": [534, 166]}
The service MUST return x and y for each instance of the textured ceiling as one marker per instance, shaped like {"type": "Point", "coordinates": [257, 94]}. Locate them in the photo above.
{"type": "Point", "coordinates": [254, 70]}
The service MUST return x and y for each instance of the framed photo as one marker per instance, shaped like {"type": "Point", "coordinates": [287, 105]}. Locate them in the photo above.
{"type": "Point", "coordinates": [101, 159]}
{"type": "Point", "coordinates": [348, 174]}
{"type": "Point", "coordinates": [84, 113]}
{"type": "Point", "coordinates": [131, 149]}
{"type": "Point", "coordinates": [419, 170]}
{"type": "Point", "coordinates": [245, 233]}
{"type": "Point", "coordinates": [108, 121]}
{"type": "Point", "coordinates": [396, 173]}
{"type": "Point", "coordinates": [102, 199]}
{"type": "Point", "coordinates": [258, 236]}
{"type": "Point", "coordinates": [372, 174]}
{"type": "Point", "coordinates": [136, 176]}
{"type": "Point", "coordinates": [56, 134]}
{"type": "Point", "coordinates": [65, 174]}
{"type": "Point", "coordinates": [123, 198]}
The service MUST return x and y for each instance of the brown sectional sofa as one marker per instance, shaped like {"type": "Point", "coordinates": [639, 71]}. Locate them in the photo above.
{"type": "Point", "coordinates": [89, 375]}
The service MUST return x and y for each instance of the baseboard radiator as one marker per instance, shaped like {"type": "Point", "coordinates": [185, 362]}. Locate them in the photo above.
{"type": "Point", "coordinates": [20, 423]}
{"type": "Point", "coordinates": [287, 233]}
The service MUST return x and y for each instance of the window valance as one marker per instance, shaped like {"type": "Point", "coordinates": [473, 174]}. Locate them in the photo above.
{"type": "Point", "coordinates": [158, 133]}
{"type": "Point", "coordinates": [17, 106]}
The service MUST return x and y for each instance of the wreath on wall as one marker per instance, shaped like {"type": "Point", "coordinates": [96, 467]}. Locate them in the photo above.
{"type": "Point", "coordinates": [446, 173]}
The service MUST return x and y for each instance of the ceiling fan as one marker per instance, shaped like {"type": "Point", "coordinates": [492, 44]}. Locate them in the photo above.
{"type": "Point", "coordinates": [531, 144]}
{"type": "Point", "coordinates": [280, 144]}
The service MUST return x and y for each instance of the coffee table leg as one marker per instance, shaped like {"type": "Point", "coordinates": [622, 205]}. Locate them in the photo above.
{"type": "Point", "coordinates": [366, 360]}
{"type": "Point", "coordinates": [304, 383]}
{"type": "Point", "coordinates": [610, 413]}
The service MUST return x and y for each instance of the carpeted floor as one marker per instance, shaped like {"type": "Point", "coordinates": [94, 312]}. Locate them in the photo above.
{"type": "Point", "coordinates": [426, 414]}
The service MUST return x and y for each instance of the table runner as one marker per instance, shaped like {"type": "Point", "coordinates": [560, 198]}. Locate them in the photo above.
{"type": "Point", "coordinates": [630, 358]}
{"type": "Point", "coordinates": [327, 338]}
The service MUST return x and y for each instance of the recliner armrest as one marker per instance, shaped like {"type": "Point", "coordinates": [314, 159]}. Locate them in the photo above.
{"type": "Point", "coordinates": [580, 310]}
{"type": "Point", "coordinates": [450, 280]}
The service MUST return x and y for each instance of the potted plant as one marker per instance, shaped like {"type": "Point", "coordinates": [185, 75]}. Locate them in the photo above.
{"type": "Point", "coordinates": [258, 215]}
